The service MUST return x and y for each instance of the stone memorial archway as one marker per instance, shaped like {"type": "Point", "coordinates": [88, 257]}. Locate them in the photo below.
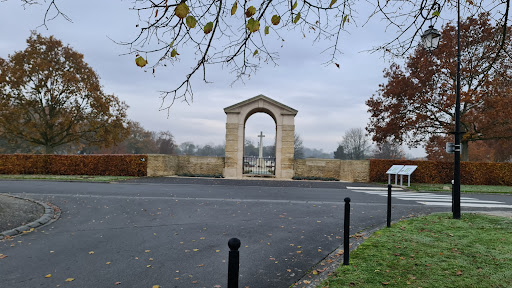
{"type": "Point", "coordinates": [236, 117]}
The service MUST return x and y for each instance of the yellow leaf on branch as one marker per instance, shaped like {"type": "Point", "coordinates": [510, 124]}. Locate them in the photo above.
{"type": "Point", "coordinates": [233, 9]}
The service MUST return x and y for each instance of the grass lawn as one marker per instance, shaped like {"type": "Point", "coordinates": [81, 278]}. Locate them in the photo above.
{"type": "Point", "coordinates": [84, 178]}
{"type": "Point", "coordinates": [432, 251]}
{"type": "Point", "coordinates": [463, 188]}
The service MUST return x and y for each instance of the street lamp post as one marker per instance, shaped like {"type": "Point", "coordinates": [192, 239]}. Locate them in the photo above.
{"type": "Point", "coordinates": [430, 40]}
{"type": "Point", "coordinates": [456, 170]}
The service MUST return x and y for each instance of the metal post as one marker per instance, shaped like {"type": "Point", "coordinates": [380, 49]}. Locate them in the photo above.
{"type": "Point", "coordinates": [346, 232]}
{"type": "Point", "coordinates": [233, 262]}
{"type": "Point", "coordinates": [389, 206]}
{"type": "Point", "coordinates": [456, 170]}
{"type": "Point", "coordinates": [452, 193]}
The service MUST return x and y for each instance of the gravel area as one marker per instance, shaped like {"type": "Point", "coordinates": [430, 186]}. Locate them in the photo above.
{"type": "Point", "coordinates": [16, 212]}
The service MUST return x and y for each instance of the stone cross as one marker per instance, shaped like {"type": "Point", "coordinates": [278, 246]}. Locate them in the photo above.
{"type": "Point", "coordinates": [261, 144]}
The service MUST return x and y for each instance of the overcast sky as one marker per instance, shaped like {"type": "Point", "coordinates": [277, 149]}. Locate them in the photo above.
{"type": "Point", "coordinates": [330, 101]}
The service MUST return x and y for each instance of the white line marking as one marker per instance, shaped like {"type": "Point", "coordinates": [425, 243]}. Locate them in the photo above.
{"type": "Point", "coordinates": [468, 204]}
{"type": "Point", "coordinates": [450, 200]}
{"type": "Point", "coordinates": [191, 198]}
{"type": "Point", "coordinates": [372, 188]}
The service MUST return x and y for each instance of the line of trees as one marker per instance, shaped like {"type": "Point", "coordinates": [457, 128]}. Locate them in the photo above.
{"type": "Point", "coordinates": [356, 146]}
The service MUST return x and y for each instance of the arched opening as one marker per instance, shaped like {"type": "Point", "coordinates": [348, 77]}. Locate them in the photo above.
{"type": "Point", "coordinates": [260, 129]}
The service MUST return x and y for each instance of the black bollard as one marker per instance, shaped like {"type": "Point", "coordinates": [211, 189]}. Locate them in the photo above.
{"type": "Point", "coordinates": [346, 232]}
{"type": "Point", "coordinates": [233, 262]}
{"type": "Point", "coordinates": [389, 205]}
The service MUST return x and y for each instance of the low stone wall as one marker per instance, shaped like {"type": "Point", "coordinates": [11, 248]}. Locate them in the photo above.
{"type": "Point", "coordinates": [345, 170]}
{"type": "Point", "coordinates": [169, 165]}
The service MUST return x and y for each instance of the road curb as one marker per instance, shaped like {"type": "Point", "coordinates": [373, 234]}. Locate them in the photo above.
{"type": "Point", "coordinates": [51, 214]}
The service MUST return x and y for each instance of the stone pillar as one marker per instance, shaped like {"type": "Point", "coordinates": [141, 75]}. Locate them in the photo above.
{"type": "Point", "coordinates": [231, 152]}
{"type": "Point", "coordinates": [287, 147]}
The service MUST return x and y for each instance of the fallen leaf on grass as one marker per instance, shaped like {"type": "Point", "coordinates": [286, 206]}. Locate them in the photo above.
{"type": "Point", "coordinates": [459, 273]}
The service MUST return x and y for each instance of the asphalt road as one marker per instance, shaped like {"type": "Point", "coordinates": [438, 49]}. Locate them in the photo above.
{"type": "Point", "coordinates": [173, 232]}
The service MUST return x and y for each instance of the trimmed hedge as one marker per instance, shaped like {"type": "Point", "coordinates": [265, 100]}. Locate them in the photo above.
{"type": "Point", "coordinates": [108, 165]}
{"type": "Point", "coordinates": [472, 173]}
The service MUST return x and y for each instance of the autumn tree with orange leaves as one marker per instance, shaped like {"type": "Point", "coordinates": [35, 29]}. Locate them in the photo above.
{"type": "Point", "coordinates": [417, 104]}
{"type": "Point", "coordinates": [50, 97]}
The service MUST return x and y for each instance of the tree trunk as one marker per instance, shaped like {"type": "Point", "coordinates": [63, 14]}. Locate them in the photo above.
{"type": "Point", "coordinates": [49, 149]}
{"type": "Point", "coordinates": [464, 154]}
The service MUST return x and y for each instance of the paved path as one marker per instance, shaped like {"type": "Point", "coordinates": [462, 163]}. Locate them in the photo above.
{"type": "Point", "coordinates": [173, 232]}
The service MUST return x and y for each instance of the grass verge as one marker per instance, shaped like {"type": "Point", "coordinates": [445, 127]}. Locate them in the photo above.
{"type": "Point", "coordinates": [83, 178]}
{"type": "Point", "coordinates": [432, 251]}
{"type": "Point", "coordinates": [463, 188]}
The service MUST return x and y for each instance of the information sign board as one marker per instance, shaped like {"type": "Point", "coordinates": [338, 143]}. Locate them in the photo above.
{"type": "Point", "coordinates": [407, 170]}
{"type": "Point", "coordinates": [394, 171]}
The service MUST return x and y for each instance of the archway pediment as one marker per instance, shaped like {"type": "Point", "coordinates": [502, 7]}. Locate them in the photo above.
{"type": "Point", "coordinates": [263, 102]}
